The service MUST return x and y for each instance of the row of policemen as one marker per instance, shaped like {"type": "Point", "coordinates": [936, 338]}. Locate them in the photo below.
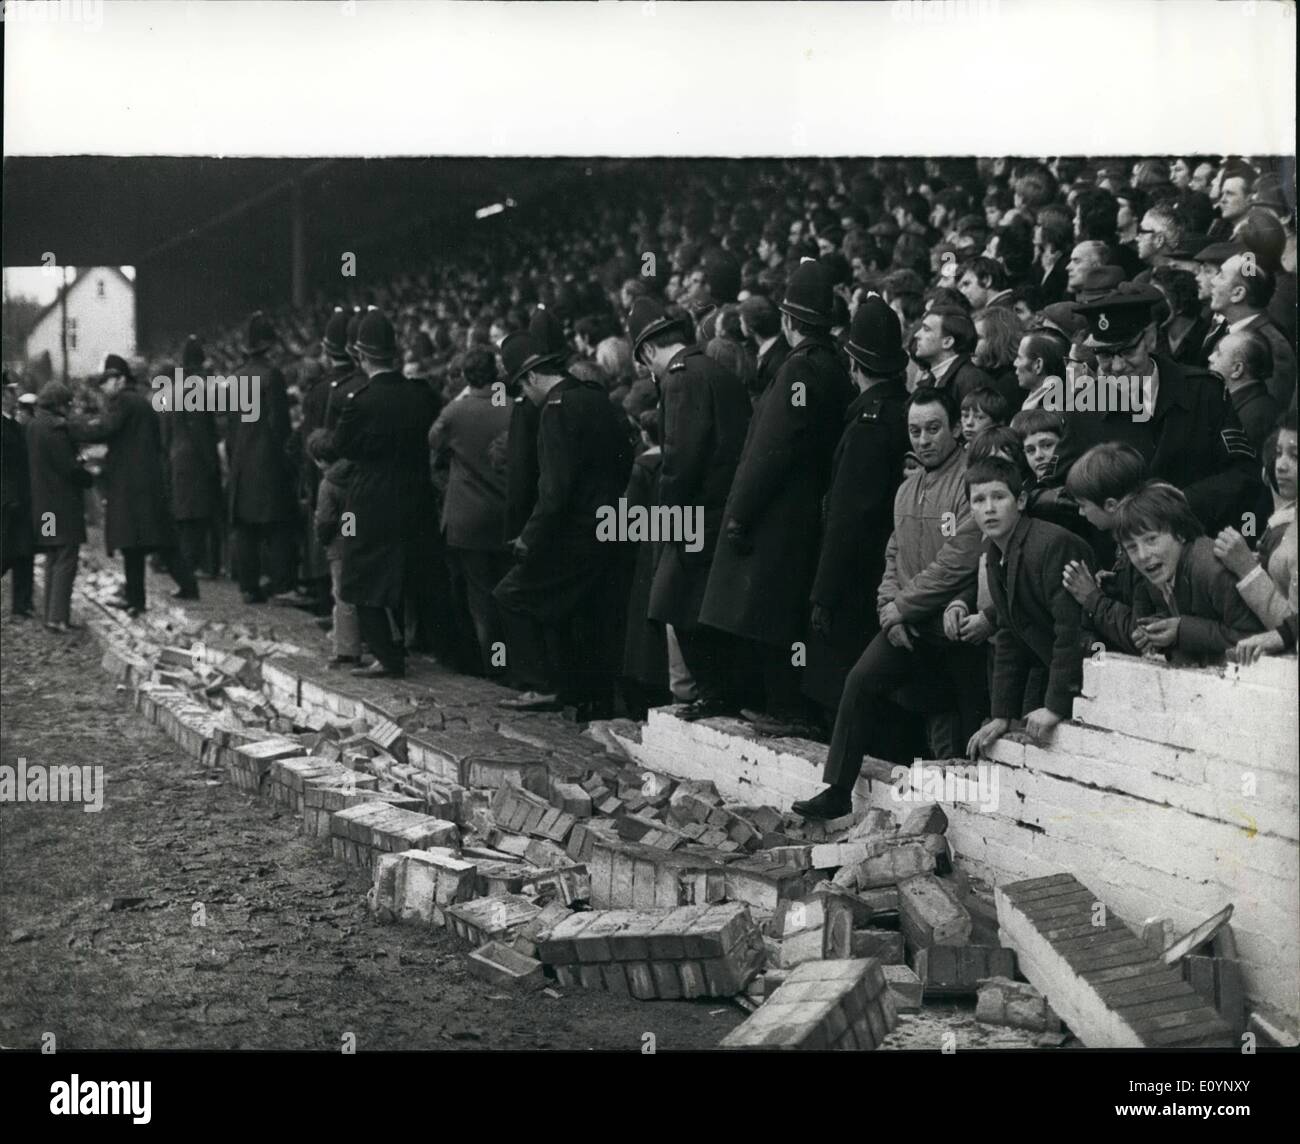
{"type": "Point", "coordinates": [760, 475]}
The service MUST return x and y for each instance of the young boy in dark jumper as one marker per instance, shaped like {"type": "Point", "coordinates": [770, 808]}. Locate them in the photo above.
{"type": "Point", "coordinates": [1186, 605]}
{"type": "Point", "coordinates": [1039, 623]}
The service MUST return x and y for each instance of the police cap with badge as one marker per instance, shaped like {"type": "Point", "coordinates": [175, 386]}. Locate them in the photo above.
{"type": "Point", "coordinates": [1117, 320]}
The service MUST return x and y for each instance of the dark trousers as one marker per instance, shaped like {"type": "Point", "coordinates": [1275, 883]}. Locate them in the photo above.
{"type": "Point", "coordinates": [60, 572]}
{"type": "Point", "coordinates": [866, 723]}
{"type": "Point", "coordinates": [191, 545]}
{"type": "Point", "coordinates": [377, 633]}
{"type": "Point", "coordinates": [566, 656]}
{"type": "Point", "coordinates": [715, 660]}
{"type": "Point", "coordinates": [278, 538]}
{"type": "Point", "coordinates": [478, 573]}
{"type": "Point", "coordinates": [214, 542]}
{"type": "Point", "coordinates": [133, 564]}
{"type": "Point", "coordinates": [24, 573]}
{"type": "Point", "coordinates": [529, 653]}
{"type": "Point", "coordinates": [782, 682]}
{"type": "Point", "coordinates": [181, 569]}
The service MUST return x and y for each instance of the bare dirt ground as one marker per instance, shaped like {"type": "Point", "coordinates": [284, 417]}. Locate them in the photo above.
{"type": "Point", "coordinates": [96, 909]}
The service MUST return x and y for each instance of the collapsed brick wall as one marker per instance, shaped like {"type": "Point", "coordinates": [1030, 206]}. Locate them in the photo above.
{"type": "Point", "coordinates": [1172, 793]}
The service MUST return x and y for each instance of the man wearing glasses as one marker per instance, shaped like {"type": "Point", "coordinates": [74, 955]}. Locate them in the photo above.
{"type": "Point", "coordinates": [1177, 416]}
{"type": "Point", "coordinates": [1158, 236]}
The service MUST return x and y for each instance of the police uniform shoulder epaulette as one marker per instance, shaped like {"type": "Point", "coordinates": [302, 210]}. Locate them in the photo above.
{"type": "Point", "coordinates": [558, 399]}
{"type": "Point", "coordinates": [871, 413]}
{"type": "Point", "coordinates": [352, 393]}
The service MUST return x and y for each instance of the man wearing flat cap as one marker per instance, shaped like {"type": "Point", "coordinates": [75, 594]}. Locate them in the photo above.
{"type": "Point", "coordinates": [559, 602]}
{"type": "Point", "coordinates": [704, 414]}
{"type": "Point", "coordinates": [1186, 427]}
{"type": "Point", "coordinates": [764, 567]}
{"type": "Point", "coordinates": [866, 470]}
{"type": "Point", "coordinates": [383, 428]}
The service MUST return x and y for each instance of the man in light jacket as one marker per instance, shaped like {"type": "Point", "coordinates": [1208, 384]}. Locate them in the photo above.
{"type": "Point", "coordinates": [932, 556]}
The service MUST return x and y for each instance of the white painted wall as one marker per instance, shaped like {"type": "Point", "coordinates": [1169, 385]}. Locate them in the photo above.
{"type": "Point", "coordinates": [102, 304]}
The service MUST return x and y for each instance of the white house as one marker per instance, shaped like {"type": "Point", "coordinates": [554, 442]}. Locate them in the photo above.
{"type": "Point", "coordinates": [100, 305]}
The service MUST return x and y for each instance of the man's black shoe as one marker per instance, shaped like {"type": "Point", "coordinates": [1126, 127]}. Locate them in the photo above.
{"type": "Point", "coordinates": [704, 708]}
{"type": "Point", "coordinates": [336, 661]}
{"type": "Point", "coordinates": [833, 802]}
{"type": "Point", "coordinates": [185, 594]}
{"type": "Point", "coordinates": [377, 670]}
{"type": "Point", "coordinates": [252, 597]}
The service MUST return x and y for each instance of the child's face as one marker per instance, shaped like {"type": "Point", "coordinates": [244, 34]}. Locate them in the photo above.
{"type": "Point", "coordinates": [973, 421]}
{"type": "Point", "coordinates": [1095, 515]}
{"type": "Point", "coordinates": [1285, 464]}
{"type": "Point", "coordinates": [1154, 554]}
{"type": "Point", "coordinates": [1040, 449]}
{"type": "Point", "coordinates": [996, 509]}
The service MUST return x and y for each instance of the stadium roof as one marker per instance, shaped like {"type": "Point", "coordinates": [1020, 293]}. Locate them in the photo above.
{"type": "Point", "coordinates": [94, 210]}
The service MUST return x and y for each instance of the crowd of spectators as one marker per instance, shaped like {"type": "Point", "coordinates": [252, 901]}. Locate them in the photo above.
{"type": "Point", "coordinates": [958, 308]}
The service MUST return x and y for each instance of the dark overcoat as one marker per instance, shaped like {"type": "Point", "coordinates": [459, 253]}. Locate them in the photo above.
{"type": "Point", "coordinates": [859, 516]}
{"type": "Point", "coordinates": [645, 643]}
{"type": "Point", "coordinates": [521, 465]}
{"type": "Point", "coordinates": [58, 482]}
{"type": "Point", "coordinates": [584, 460]}
{"type": "Point", "coordinates": [136, 513]}
{"type": "Point", "coordinates": [758, 588]}
{"type": "Point", "coordinates": [262, 480]}
{"type": "Point", "coordinates": [705, 413]}
{"type": "Point", "coordinates": [15, 493]}
{"type": "Point", "coordinates": [189, 440]}
{"type": "Point", "coordinates": [383, 427]}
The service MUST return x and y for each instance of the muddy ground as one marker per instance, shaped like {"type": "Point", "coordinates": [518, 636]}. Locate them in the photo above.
{"type": "Point", "coordinates": [98, 941]}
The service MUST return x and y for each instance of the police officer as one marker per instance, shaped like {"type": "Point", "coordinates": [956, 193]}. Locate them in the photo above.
{"type": "Point", "coordinates": [193, 465]}
{"type": "Point", "coordinates": [383, 427]}
{"type": "Point", "coordinates": [704, 415]}
{"type": "Point", "coordinates": [859, 512]}
{"type": "Point", "coordinates": [262, 501]}
{"type": "Point", "coordinates": [345, 367]}
{"type": "Point", "coordinates": [764, 566]}
{"type": "Point", "coordinates": [1185, 427]}
{"type": "Point", "coordinates": [316, 402]}
{"type": "Point", "coordinates": [558, 600]}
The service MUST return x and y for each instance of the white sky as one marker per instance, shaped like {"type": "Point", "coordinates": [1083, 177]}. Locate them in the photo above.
{"type": "Point", "coordinates": [649, 77]}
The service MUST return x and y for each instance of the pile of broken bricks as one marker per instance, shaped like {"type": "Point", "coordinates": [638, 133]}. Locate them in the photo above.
{"type": "Point", "coordinates": [572, 864]}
